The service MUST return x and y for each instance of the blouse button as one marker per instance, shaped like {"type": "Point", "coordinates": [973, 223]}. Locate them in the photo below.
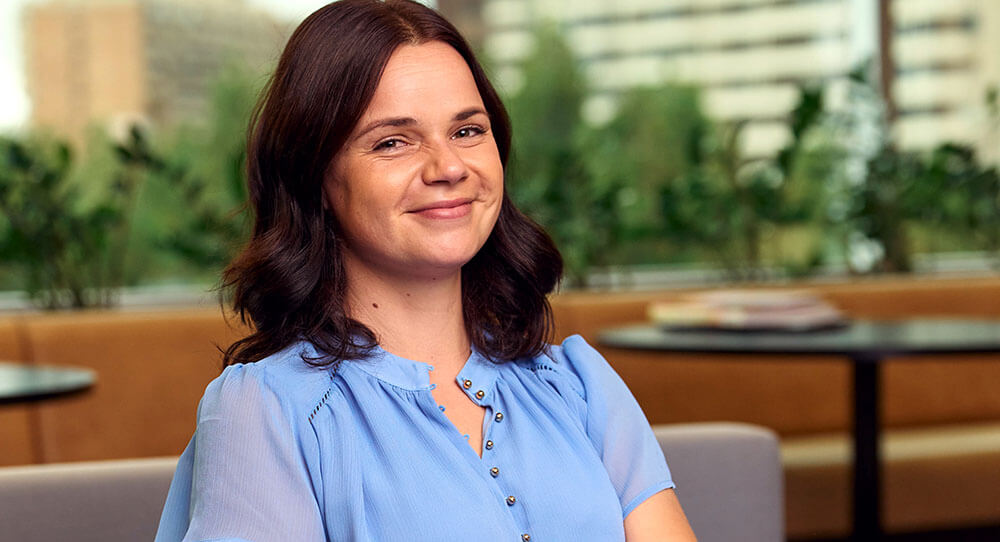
{"type": "Point", "coordinates": [526, 537]}
{"type": "Point", "coordinates": [480, 394]}
{"type": "Point", "coordinates": [511, 500]}
{"type": "Point", "coordinates": [466, 383]}
{"type": "Point", "coordinates": [498, 417]}
{"type": "Point", "coordinates": [489, 444]}
{"type": "Point", "coordinates": [494, 472]}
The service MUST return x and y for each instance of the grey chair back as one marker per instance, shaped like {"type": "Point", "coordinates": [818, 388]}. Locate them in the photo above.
{"type": "Point", "coordinates": [84, 502]}
{"type": "Point", "coordinates": [729, 480]}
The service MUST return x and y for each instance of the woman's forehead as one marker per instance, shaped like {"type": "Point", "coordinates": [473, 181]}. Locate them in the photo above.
{"type": "Point", "coordinates": [424, 80]}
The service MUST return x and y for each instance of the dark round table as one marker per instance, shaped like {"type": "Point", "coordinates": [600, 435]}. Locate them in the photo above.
{"type": "Point", "coordinates": [865, 343]}
{"type": "Point", "coordinates": [23, 383]}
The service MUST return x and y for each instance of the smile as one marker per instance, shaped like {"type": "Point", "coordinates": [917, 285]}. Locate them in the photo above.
{"type": "Point", "coordinates": [456, 208]}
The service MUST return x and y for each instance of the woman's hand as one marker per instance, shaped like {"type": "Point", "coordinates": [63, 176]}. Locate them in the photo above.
{"type": "Point", "coordinates": [658, 519]}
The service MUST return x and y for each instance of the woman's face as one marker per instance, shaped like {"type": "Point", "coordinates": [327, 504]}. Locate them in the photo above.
{"type": "Point", "coordinates": [417, 186]}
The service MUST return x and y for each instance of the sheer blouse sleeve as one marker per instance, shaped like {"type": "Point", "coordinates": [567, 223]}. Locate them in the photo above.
{"type": "Point", "coordinates": [251, 479]}
{"type": "Point", "coordinates": [615, 424]}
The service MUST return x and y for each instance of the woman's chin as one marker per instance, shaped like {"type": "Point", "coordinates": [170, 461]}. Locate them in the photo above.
{"type": "Point", "coordinates": [437, 269]}
{"type": "Point", "coordinates": [444, 259]}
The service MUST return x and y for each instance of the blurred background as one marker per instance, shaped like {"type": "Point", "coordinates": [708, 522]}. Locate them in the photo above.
{"type": "Point", "coordinates": [660, 141]}
{"type": "Point", "coordinates": [847, 148]}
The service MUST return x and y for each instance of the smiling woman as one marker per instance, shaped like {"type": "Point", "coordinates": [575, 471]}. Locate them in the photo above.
{"type": "Point", "coordinates": [416, 190]}
{"type": "Point", "coordinates": [398, 384]}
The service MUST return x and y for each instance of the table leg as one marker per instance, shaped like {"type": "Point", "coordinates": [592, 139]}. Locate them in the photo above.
{"type": "Point", "coordinates": [867, 471]}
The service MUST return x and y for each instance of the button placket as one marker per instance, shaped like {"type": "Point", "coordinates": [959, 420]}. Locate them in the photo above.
{"type": "Point", "coordinates": [489, 445]}
{"type": "Point", "coordinates": [480, 392]}
{"type": "Point", "coordinates": [480, 398]}
{"type": "Point", "coordinates": [494, 471]}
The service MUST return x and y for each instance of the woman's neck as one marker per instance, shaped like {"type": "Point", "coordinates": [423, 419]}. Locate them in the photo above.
{"type": "Point", "coordinates": [418, 319]}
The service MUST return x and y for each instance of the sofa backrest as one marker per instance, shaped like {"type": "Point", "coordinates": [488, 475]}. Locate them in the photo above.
{"type": "Point", "coordinates": [152, 368]}
{"type": "Point", "coordinates": [16, 434]}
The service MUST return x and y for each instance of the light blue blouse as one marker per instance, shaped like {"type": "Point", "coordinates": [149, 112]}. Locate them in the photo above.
{"type": "Point", "coordinates": [287, 452]}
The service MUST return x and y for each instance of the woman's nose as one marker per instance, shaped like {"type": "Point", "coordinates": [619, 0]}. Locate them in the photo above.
{"type": "Point", "coordinates": [444, 165]}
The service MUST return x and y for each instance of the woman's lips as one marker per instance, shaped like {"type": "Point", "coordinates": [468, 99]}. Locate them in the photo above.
{"type": "Point", "coordinates": [446, 209]}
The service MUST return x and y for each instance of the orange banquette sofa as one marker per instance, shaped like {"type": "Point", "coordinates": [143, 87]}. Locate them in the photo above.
{"type": "Point", "coordinates": [942, 414]}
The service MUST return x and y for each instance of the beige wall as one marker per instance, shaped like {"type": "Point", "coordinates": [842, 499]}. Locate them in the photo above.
{"type": "Point", "coordinates": [84, 63]}
{"type": "Point", "coordinates": [114, 62]}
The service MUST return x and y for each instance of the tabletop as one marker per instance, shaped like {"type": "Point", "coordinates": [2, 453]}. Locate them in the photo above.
{"type": "Point", "coordinates": [24, 383]}
{"type": "Point", "coordinates": [877, 339]}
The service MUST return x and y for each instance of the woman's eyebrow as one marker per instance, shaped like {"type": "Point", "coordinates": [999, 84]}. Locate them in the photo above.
{"type": "Point", "coordinates": [472, 111]}
{"type": "Point", "coordinates": [378, 123]}
{"type": "Point", "coordinates": [409, 121]}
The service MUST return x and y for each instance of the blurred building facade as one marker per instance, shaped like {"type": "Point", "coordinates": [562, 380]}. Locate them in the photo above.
{"type": "Point", "coordinates": [116, 62]}
{"type": "Point", "coordinates": [467, 16]}
{"type": "Point", "coordinates": [749, 55]}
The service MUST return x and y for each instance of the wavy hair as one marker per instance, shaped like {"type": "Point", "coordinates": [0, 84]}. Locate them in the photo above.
{"type": "Point", "coordinates": [288, 283]}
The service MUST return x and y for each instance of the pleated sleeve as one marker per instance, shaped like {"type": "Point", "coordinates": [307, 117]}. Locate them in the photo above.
{"type": "Point", "coordinates": [615, 424]}
{"type": "Point", "coordinates": [251, 478]}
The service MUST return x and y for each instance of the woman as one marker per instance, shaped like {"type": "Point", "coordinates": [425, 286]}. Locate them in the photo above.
{"type": "Point", "coordinates": [397, 385]}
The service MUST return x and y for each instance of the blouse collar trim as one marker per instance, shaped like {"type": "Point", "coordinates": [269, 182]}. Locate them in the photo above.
{"type": "Point", "coordinates": [479, 372]}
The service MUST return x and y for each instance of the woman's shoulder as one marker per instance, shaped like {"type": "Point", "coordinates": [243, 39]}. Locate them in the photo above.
{"type": "Point", "coordinates": [574, 362]}
{"type": "Point", "coordinates": [573, 351]}
{"type": "Point", "coordinates": [283, 379]}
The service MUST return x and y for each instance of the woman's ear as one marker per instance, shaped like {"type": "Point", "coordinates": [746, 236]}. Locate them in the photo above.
{"type": "Point", "coordinates": [325, 190]}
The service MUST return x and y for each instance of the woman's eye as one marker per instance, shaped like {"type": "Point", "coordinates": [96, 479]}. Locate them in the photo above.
{"type": "Point", "coordinates": [389, 144]}
{"type": "Point", "coordinates": [469, 131]}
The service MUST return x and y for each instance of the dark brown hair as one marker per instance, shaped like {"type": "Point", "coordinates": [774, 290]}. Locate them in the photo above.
{"type": "Point", "coordinates": [289, 283]}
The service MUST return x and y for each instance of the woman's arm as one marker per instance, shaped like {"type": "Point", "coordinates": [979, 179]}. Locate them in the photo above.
{"type": "Point", "coordinates": [658, 519]}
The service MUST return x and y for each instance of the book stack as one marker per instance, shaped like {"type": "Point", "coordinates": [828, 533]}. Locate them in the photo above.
{"type": "Point", "coordinates": [748, 310]}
